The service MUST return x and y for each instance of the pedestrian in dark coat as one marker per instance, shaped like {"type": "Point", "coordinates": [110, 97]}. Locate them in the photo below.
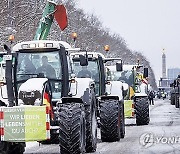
{"type": "Point", "coordinates": [151, 98]}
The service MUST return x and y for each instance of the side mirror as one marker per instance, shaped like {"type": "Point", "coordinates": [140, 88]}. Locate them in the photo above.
{"type": "Point", "coordinates": [145, 72]}
{"type": "Point", "coordinates": [83, 60]}
{"type": "Point", "coordinates": [119, 67]}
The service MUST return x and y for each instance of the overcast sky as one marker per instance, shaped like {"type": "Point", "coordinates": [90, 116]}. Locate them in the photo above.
{"type": "Point", "coordinates": [147, 26]}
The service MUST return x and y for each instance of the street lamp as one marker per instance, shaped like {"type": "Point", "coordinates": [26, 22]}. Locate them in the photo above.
{"type": "Point", "coordinates": [11, 38]}
{"type": "Point", "coordinates": [106, 48]}
{"type": "Point", "coordinates": [74, 37]}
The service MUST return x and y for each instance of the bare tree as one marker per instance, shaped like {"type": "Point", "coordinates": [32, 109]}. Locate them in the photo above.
{"type": "Point", "coordinates": [26, 14]}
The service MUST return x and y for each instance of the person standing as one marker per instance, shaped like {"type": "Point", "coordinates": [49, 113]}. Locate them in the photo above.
{"type": "Point", "coordinates": [151, 98]}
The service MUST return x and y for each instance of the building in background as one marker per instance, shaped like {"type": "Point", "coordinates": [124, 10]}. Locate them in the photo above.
{"type": "Point", "coordinates": [172, 73]}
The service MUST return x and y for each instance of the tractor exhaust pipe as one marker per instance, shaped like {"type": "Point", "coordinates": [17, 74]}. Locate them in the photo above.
{"type": "Point", "coordinates": [8, 76]}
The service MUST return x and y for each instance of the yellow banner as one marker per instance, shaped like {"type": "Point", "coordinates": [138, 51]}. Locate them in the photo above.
{"type": "Point", "coordinates": [35, 120]}
{"type": "Point", "coordinates": [24, 123]}
{"type": "Point", "coordinates": [128, 110]}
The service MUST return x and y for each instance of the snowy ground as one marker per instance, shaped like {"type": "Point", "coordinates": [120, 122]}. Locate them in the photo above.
{"type": "Point", "coordinates": [161, 136]}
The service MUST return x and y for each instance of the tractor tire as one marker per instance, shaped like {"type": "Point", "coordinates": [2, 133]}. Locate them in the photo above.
{"type": "Point", "coordinates": [172, 99]}
{"type": "Point", "coordinates": [122, 121]}
{"type": "Point", "coordinates": [91, 128]}
{"type": "Point", "coordinates": [110, 120]}
{"type": "Point", "coordinates": [176, 101]}
{"type": "Point", "coordinates": [72, 128]}
{"type": "Point", "coordinates": [142, 111]}
{"type": "Point", "coordinates": [12, 148]}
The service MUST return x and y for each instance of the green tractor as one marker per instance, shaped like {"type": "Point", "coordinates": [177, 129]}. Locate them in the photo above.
{"type": "Point", "coordinates": [136, 93]}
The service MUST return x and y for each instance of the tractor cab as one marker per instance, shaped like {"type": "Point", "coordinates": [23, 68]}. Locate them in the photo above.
{"type": "Point", "coordinates": [39, 64]}
{"type": "Point", "coordinates": [41, 75]}
{"type": "Point", "coordinates": [91, 70]}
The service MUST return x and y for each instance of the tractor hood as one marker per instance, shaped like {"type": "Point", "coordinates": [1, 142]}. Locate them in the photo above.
{"type": "Point", "coordinates": [31, 91]}
{"type": "Point", "coordinates": [81, 86]}
{"type": "Point", "coordinates": [33, 84]}
{"type": "Point", "coordinates": [115, 88]}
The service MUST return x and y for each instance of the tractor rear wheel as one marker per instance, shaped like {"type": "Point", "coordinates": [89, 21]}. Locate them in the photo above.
{"type": "Point", "coordinates": [110, 120]}
{"type": "Point", "coordinates": [72, 128]}
{"type": "Point", "coordinates": [176, 101]}
{"type": "Point", "coordinates": [91, 128]}
{"type": "Point", "coordinates": [142, 111]}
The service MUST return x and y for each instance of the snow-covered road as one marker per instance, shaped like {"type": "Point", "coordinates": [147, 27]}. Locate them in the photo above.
{"type": "Point", "coordinates": [161, 136]}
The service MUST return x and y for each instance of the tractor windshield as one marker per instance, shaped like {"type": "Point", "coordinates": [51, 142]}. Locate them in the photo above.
{"type": "Point", "coordinates": [40, 64]}
{"type": "Point", "coordinates": [89, 71]}
{"type": "Point", "coordinates": [127, 77]}
{"type": "Point", "coordinates": [124, 76]}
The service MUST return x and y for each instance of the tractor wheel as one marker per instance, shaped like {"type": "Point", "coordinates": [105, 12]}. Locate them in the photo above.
{"type": "Point", "coordinates": [110, 120]}
{"type": "Point", "coordinates": [172, 99]}
{"type": "Point", "coordinates": [91, 129]}
{"type": "Point", "coordinates": [72, 128]}
{"type": "Point", "coordinates": [142, 111]}
{"type": "Point", "coordinates": [16, 148]}
{"type": "Point", "coordinates": [122, 120]}
{"type": "Point", "coordinates": [176, 101]}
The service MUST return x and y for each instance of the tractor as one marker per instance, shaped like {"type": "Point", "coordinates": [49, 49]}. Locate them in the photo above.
{"type": "Point", "coordinates": [70, 101]}
{"type": "Point", "coordinates": [175, 91]}
{"type": "Point", "coordinates": [136, 100]}
{"type": "Point", "coordinates": [109, 100]}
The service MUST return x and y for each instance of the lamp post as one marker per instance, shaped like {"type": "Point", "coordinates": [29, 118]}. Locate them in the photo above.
{"type": "Point", "coordinates": [74, 37]}
{"type": "Point", "coordinates": [106, 48]}
{"type": "Point", "coordinates": [11, 38]}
